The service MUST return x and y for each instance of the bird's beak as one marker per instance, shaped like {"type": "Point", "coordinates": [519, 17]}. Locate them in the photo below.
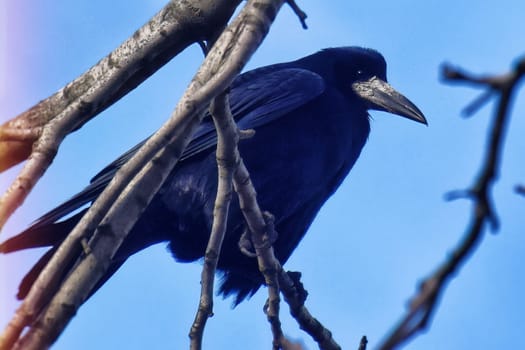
{"type": "Point", "coordinates": [379, 95]}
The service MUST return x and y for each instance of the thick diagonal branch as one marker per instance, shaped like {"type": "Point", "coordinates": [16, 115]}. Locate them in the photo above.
{"type": "Point", "coordinates": [37, 133]}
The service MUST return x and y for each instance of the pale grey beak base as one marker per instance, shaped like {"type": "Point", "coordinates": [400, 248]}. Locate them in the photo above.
{"type": "Point", "coordinates": [380, 95]}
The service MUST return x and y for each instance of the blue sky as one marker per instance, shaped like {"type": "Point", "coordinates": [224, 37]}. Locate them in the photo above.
{"type": "Point", "coordinates": [386, 228]}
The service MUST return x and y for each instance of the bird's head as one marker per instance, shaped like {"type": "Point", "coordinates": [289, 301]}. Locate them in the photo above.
{"type": "Point", "coordinates": [361, 73]}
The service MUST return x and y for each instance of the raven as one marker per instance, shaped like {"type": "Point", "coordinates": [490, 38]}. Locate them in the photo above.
{"type": "Point", "coordinates": [311, 121]}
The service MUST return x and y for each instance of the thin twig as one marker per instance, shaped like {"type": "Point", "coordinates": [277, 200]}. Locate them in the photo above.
{"type": "Point", "coordinates": [37, 133]}
{"type": "Point", "coordinates": [363, 343]}
{"type": "Point", "coordinates": [261, 239]}
{"type": "Point", "coordinates": [423, 305]}
{"type": "Point", "coordinates": [227, 160]}
{"type": "Point", "coordinates": [298, 12]}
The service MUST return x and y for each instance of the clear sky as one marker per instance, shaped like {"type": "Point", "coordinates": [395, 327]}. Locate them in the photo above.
{"type": "Point", "coordinates": [387, 226]}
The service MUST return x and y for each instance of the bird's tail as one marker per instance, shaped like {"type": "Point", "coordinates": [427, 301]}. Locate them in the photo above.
{"type": "Point", "coordinates": [48, 235]}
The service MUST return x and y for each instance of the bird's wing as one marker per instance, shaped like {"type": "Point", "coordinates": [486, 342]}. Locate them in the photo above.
{"type": "Point", "coordinates": [257, 98]}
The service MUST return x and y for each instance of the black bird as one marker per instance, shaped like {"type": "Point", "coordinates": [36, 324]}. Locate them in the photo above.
{"type": "Point", "coordinates": [311, 121]}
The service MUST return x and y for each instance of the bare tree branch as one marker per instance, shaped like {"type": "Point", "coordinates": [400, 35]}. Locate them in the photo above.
{"type": "Point", "coordinates": [363, 343]}
{"type": "Point", "coordinates": [424, 303]}
{"type": "Point", "coordinates": [295, 296]}
{"type": "Point", "coordinates": [37, 133]}
{"type": "Point", "coordinates": [227, 160]}
{"type": "Point", "coordinates": [225, 61]}
{"type": "Point", "coordinates": [261, 231]}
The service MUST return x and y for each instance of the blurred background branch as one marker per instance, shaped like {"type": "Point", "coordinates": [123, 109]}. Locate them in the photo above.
{"type": "Point", "coordinates": [424, 303]}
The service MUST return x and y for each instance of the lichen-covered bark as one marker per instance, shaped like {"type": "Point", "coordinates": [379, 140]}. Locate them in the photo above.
{"type": "Point", "coordinates": [37, 133]}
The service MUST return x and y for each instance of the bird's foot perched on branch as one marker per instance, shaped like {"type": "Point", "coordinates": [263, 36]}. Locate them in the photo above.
{"type": "Point", "coordinates": [246, 244]}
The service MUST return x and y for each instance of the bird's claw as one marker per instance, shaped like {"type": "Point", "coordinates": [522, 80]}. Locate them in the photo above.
{"type": "Point", "coordinates": [246, 244]}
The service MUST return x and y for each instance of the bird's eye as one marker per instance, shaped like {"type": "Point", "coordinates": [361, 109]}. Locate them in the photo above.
{"type": "Point", "coordinates": [359, 73]}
